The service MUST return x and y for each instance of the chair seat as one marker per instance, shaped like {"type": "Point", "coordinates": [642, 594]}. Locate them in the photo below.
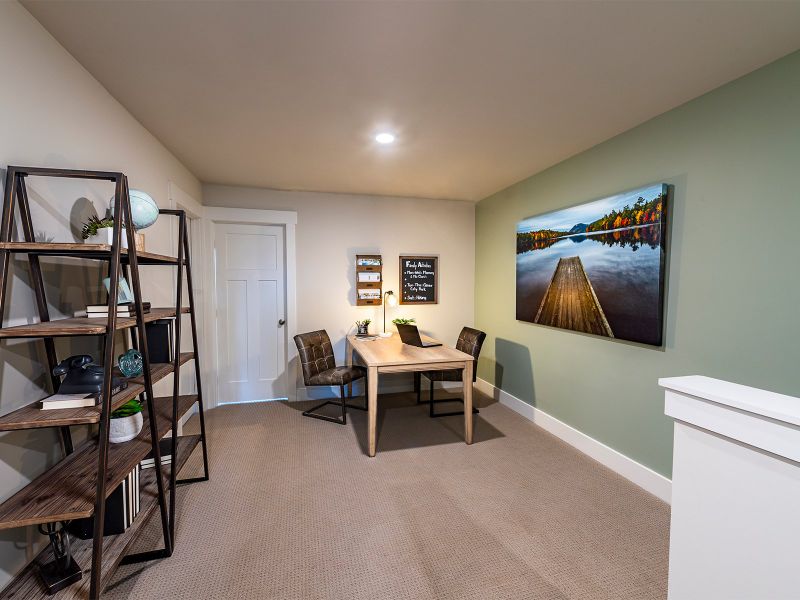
{"type": "Point", "coordinates": [338, 376]}
{"type": "Point", "coordinates": [449, 375]}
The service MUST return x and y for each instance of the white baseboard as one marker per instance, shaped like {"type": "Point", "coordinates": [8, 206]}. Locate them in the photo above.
{"type": "Point", "coordinates": [643, 476]}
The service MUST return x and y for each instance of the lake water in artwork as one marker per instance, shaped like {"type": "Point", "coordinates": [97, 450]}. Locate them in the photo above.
{"type": "Point", "coordinates": [596, 268]}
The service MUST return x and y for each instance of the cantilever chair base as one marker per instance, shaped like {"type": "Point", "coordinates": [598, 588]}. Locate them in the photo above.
{"type": "Point", "coordinates": [431, 403]}
{"type": "Point", "coordinates": [341, 402]}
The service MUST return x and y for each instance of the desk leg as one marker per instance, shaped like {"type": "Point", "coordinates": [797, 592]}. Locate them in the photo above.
{"type": "Point", "coordinates": [372, 408]}
{"type": "Point", "coordinates": [467, 382]}
{"type": "Point", "coordinates": [348, 359]}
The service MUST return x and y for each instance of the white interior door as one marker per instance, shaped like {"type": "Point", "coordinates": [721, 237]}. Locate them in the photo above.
{"type": "Point", "coordinates": [250, 284]}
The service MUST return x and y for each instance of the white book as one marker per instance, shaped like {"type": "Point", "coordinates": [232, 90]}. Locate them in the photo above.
{"type": "Point", "coordinates": [138, 491]}
{"type": "Point", "coordinates": [125, 502]}
{"type": "Point", "coordinates": [149, 463]}
{"type": "Point", "coordinates": [57, 401]}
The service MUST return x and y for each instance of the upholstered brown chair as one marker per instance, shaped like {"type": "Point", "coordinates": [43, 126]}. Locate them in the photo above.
{"type": "Point", "coordinates": [319, 368]}
{"type": "Point", "coordinates": [470, 341]}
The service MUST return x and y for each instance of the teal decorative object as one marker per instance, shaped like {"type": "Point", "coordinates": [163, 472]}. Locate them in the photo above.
{"type": "Point", "coordinates": [131, 363]}
{"type": "Point", "coordinates": [144, 209]}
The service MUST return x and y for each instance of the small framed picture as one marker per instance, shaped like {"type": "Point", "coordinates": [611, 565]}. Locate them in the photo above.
{"type": "Point", "coordinates": [125, 295]}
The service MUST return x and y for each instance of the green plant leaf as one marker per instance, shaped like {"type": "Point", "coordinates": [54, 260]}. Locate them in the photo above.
{"type": "Point", "coordinates": [131, 407]}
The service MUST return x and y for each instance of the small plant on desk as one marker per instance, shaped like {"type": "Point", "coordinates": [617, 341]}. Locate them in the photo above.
{"type": "Point", "coordinates": [363, 326]}
{"type": "Point", "coordinates": [403, 321]}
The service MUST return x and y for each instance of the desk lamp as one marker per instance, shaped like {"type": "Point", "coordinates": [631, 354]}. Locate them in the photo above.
{"type": "Point", "coordinates": [390, 299]}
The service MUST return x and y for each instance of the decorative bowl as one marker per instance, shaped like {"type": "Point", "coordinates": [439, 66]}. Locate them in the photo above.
{"type": "Point", "coordinates": [131, 363]}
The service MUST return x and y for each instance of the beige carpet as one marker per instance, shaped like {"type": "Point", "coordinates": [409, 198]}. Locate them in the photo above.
{"type": "Point", "coordinates": [296, 510]}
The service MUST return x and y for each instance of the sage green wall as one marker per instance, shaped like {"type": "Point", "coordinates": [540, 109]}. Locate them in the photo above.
{"type": "Point", "coordinates": [733, 288]}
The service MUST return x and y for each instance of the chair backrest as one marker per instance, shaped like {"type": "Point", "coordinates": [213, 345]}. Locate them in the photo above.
{"type": "Point", "coordinates": [470, 341]}
{"type": "Point", "coordinates": [316, 353]}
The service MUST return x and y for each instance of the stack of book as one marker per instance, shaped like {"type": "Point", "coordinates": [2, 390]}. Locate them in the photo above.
{"type": "Point", "coordinates": [57, 401]}
{"type": "Point", "coordinates": [124, 309]}
{"type": "Point", "coordinates": [122, 506]}
{"type": "Point", "coordinates": [165, 446]}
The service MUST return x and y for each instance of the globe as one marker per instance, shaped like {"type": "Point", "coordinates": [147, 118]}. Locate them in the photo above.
{"type": "Point", "coordinates": [144, 209]}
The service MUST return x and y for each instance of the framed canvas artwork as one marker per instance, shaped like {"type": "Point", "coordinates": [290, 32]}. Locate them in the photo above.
{"type": "Point", "coordinates": [598, 267]}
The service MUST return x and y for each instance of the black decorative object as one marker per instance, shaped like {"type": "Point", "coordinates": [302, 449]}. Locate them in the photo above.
{"type": "Point", "coordinates": [63, 570]}
{"type": "Point", "coordinates": [122, 505]}
{"type": "Point", "coordinates": [159, 340]}
{"type": "Point", "coordinates": [83, 376]}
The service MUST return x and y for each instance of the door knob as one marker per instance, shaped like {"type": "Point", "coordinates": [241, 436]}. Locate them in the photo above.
{"type": "Point", "coordinates": [281, 322]}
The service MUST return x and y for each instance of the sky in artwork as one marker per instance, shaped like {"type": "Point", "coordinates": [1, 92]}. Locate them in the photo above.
{"type": "Point", "coordinates": [565, 219]}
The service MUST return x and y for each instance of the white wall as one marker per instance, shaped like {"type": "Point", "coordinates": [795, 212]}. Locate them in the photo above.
{"type": "Point", "coordinates": [53, 113]}
{"type": "Point", "coordinates": [333, 228]}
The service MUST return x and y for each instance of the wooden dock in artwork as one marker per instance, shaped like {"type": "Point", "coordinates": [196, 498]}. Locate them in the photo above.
{"type": "Point", "coordinates": [570, 301]}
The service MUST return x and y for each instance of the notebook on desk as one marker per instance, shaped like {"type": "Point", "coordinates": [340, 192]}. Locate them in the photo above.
{"type": "Point", "coordinates": [410, 335]}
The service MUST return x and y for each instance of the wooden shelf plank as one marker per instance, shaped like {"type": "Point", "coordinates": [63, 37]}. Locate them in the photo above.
{"type": "Point", "coordinates": [66, 491]}
{"type": "Point", "coordinates": [33, 417]}
{"type": "Point", "coordinates": [93, 251]}
{"type": "Point", "coordinates": [27, 585]}
{"type": "Point", "coordinates": [82, 325]}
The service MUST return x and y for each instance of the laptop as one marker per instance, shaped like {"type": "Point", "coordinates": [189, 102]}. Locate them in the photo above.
{"type": "Point", "coordinates": [410, 335]}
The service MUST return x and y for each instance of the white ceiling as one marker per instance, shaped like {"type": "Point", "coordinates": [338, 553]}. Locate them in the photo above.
{"type": "Point", "coordinates": [481, 94]}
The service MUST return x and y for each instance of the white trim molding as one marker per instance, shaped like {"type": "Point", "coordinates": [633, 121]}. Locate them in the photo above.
{"type": "Point", "coordinates": [643, 476]}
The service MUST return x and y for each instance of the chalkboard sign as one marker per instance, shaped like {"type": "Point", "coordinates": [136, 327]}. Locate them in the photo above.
{"type": "Point", "coordinates": [419, 280]}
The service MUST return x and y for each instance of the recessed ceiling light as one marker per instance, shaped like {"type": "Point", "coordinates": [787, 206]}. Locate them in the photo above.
{"type": "Point", "coordinates": [384, 137]}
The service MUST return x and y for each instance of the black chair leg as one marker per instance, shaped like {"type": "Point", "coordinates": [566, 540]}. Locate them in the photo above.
{"type": "Point", "coordinates": [341, 402]}
{"type": "Point", "coordinates": [431, 402]}
{"type": "Point", "coordinates": [344, 411]}
{"type": "Point", "coordinates": [312, 412]}
{"type": "Point", "coordinates": [366, 391]}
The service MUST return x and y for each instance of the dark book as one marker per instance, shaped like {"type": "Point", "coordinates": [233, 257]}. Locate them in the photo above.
{"type": "Point", "coordinates": [165, 446]}
{"type": "Point", "coordinates": [121, 508]}
{"type": "Point", "coordinates": [159, 341]}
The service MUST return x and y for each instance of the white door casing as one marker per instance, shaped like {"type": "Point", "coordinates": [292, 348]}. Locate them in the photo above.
{"type": "Point", "coordinates": [250, 280]}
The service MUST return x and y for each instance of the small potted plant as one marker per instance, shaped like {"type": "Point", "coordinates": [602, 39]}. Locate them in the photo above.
{"type": "Point", "coordinates": [126, 422]}
{"type": "Point", "coordinates": [403, 321]}
{"type": "Point", "coordinates": [363, 327]}
{"type": "Point", "coordinates": [100, 231]}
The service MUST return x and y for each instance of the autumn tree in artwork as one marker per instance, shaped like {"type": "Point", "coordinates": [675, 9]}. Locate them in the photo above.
{"type": "Point", "coordinates": [642, 212]}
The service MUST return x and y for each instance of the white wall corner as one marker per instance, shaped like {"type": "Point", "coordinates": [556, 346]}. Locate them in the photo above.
{"type": "Point", "coordinates": [643, 476]}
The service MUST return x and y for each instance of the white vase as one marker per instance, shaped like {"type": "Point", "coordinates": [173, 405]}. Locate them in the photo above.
{"type": "Point", "coordinates": [105, 235]}
{"type": "Point", "coordinates": [125, 429]}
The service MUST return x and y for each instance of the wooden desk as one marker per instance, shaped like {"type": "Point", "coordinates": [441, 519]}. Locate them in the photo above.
{"type": "Point", "coordinates": [391, 355]}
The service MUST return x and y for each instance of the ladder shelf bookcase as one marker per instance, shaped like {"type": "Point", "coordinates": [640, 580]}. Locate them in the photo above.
{"type": "Point", "coordinates": [77, 486]}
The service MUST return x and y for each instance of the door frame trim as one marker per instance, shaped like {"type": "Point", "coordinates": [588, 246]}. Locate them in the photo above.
{"type": "Point", "coordinates": [213, 215]}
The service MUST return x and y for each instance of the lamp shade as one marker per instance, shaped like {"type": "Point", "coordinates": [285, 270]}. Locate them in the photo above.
{"type": "Point", "coordinates": [391, 299]}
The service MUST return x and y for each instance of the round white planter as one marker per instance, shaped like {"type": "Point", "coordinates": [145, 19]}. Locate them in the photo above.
{"type": "Point", "coordinates": [125, 429]}
{"type": "Point", "coordinates": [105, 235]}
